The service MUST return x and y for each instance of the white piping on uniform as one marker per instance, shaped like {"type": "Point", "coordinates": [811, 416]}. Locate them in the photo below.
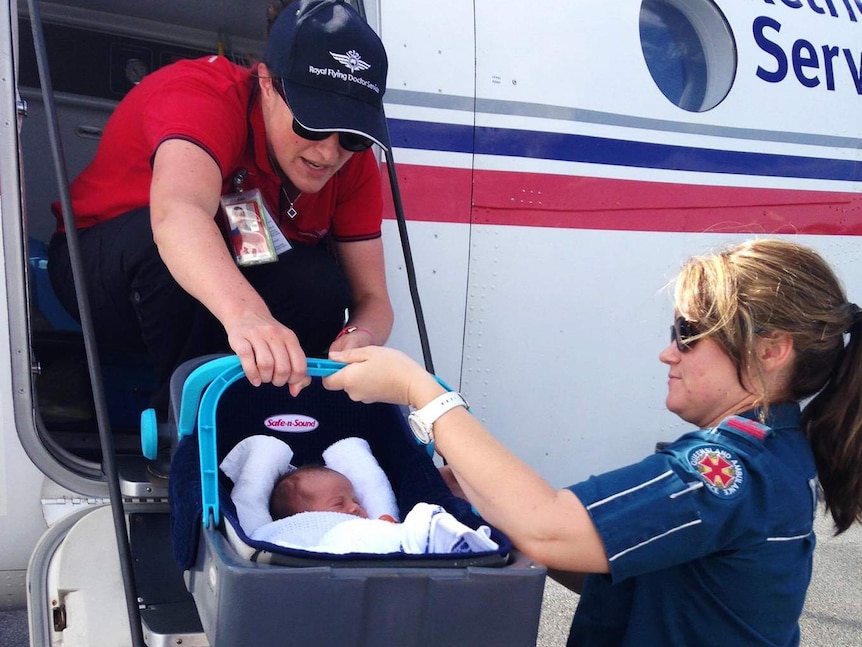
{"type": "Point", "coordinates": [807, 534]}
{"type": "Point", "coordinates": [630, 490]}
{"type": "Point", "coordinates": [652, 539]}
{"type": "Point", "coordinates": [691, 488]}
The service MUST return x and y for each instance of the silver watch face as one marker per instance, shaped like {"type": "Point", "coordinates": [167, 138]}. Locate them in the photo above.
{"type": "Point", "coordinates": [419, 429]}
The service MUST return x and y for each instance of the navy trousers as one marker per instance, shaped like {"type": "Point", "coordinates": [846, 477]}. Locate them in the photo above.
{"type": "Point", "coordinates": [136, 304]}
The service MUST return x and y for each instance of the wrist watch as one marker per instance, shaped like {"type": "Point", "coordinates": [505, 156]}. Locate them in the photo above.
{"type": "Point", "coordinates": [422, 420]}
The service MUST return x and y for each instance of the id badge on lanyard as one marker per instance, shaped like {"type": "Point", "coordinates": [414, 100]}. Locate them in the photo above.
{"type": "Point", "coordinates": [254, 235]}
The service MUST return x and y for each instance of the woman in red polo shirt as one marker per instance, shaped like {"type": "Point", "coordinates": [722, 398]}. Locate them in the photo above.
{"type": "Point", "coordinates": [290, 137]}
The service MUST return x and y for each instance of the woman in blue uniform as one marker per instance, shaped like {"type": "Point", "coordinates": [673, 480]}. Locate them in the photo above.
{"type": "Point", "coordinates": [710, 540]}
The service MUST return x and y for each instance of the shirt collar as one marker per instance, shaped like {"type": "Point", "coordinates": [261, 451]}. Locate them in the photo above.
{"type": "Point", "coordinates": [782, 415]}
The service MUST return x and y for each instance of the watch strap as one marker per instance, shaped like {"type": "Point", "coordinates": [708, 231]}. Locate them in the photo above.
{"type": "Point", "coordinates": [429, 414]}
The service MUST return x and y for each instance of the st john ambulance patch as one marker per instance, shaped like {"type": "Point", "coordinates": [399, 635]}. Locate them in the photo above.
{"type": "Point", "coordinates": [719, 469]}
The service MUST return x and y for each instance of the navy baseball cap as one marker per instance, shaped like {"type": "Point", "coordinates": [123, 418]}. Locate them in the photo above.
{"type": "Point", "coordinates": [333, 67]}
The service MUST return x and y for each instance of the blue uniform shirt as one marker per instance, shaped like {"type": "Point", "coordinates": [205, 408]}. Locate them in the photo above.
{"type": "Point", "coordinates": [710, 541]}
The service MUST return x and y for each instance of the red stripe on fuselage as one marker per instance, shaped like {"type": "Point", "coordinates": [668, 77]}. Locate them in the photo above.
{"type": "Point", "coordinates": [438, 194]}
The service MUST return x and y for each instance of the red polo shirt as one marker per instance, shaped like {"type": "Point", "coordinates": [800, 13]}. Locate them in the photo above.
{"type": "Point", "coordinates": [209, 102]}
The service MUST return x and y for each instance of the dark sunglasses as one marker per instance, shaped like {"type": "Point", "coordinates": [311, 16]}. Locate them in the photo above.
{"type": "Point", "coordinates": [681, 332]}
{"type": "Point", "coordinates": [348, 141]}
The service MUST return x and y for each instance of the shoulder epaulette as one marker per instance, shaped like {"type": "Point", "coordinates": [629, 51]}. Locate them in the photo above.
{"type": "Point", "coordinates": [738, 424]}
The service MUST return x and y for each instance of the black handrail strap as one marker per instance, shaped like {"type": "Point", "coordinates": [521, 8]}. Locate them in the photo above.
{"type": "Point", "coordinates": [408, 260]}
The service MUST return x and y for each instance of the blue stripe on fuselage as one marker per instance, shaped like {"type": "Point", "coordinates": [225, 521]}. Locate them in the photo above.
{"type": "Point", "coordinates": [600, 150]}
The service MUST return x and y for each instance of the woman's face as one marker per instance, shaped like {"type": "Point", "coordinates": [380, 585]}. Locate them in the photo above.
{"type": "Point", "coordinates": [307, 164]}
{"type": "Point", "coordinates": [703, 387]}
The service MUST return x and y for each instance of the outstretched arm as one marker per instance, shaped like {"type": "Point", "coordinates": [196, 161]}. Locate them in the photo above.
{"type": "Point", "coordinates": [551, 526]}
{"type": "Point", "coordinates": [184, 197]}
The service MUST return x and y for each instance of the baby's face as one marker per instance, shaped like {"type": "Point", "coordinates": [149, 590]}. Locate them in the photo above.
{"type": "Point", "coordinates": [331, 492]}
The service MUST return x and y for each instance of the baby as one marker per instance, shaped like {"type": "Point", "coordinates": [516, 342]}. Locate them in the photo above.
{"type": "Point", "coordinates": [322, 510]}
{"type": "Point", "coordinates": [314, 488]}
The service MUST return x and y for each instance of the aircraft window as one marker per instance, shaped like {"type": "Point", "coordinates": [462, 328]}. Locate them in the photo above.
{"type": "Point", "coordinates": [689, 50]}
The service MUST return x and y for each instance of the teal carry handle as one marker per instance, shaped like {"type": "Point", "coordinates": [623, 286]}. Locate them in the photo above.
{"type": "Point", "coordinates": [193, 387]}
{"type": "Point", "coordinates": [204, 375]}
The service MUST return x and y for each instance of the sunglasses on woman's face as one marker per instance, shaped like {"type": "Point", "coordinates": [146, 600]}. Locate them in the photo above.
{"type": "Point", "coordinates": [348, 141]}
{"type": "Point", "coordinates": [681, 333]}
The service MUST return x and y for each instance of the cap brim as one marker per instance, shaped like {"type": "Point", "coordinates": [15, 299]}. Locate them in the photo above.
{"type": "Point", "coordinates": [329, 111]}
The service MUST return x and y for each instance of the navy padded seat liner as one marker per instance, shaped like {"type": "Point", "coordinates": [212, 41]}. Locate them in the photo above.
{"type": "Point", "coordinates": [241, 411]}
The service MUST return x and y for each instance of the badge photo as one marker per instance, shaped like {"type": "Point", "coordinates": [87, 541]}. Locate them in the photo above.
{"type": "Point", "coordinates": [245, 218]}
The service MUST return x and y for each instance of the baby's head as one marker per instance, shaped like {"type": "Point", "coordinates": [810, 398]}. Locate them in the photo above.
{"type": "Point", "coordinates": [314, 487]}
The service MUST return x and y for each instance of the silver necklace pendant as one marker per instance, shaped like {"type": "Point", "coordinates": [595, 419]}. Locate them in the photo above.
{"type": "Point", "coordinates": [291, 211]}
